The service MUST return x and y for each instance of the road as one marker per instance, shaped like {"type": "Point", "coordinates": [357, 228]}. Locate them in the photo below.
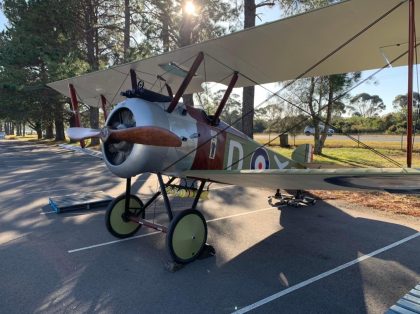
{"type": "Point", "coordinates": [368, 138]}
{"type": "Point", "coordinates": [302, 260]}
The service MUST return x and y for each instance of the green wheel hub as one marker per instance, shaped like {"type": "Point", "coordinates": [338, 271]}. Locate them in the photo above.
{"type": "Point", "coordinates": [114, 220]}
{"type": "Point", "coordinates": [186, 236]}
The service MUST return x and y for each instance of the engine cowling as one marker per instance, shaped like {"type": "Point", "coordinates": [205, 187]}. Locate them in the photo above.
{"type": "Point", "coordinates": [127, 159]}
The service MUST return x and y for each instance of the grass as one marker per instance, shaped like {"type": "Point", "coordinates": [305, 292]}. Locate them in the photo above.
{"type": "Point", "coordinates": [345, 152]}
{"type": "Point", "coordinates": [339, 152]}
{"type": "Point", "coordinates": [357, 157]}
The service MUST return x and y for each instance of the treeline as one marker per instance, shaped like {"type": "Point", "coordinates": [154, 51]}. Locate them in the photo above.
{"type": "Point", "coordinates": [49, 40]}
{"type": "Point", "coordinates": [366, 116]}
{"type": "Point", "coordinates": [391, 123]}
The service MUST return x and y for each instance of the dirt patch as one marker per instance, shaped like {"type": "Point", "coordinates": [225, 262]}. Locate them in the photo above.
{"type": "Point", "coordinates": [391, 203]}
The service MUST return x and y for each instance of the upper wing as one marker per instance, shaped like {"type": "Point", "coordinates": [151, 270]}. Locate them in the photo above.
{"type": "Point", "coordinates": [394, 180]}
{"type": "Point", "coordinates": [272, 52]}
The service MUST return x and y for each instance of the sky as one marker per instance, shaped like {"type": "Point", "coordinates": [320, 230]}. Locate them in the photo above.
{"type": "Point", "coordinates": [387, 84]}
{"type": "Point", "coordinates": [2, 20]}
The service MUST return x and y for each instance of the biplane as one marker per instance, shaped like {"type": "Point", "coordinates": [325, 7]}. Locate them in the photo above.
{"type": "Point", "coordinates": [151, 131]}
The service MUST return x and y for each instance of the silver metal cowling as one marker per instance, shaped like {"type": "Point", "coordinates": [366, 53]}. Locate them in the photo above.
{"type": "Point", "coordinates": [147, 158]}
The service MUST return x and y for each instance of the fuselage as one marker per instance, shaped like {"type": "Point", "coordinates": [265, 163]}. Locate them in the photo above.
{"type": "Point", "coordinates": [204, 146]}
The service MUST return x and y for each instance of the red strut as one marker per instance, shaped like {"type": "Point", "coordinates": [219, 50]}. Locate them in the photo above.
{"type": "Point", "coordinates": [75, 108]}
{"type": "Point", "coordinates": [410, 83]}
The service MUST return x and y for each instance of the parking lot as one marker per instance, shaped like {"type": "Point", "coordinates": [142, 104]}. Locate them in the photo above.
{"type": "Point", "coordinates": [328, 258]}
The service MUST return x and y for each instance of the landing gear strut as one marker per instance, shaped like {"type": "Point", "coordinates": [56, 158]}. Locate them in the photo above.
{"type": "Point", "coordinates": [299, 199]}
{"type": "Point", "coordinates": [186, 234]}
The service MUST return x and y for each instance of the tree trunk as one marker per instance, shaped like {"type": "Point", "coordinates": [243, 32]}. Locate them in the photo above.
{"type": "Point", "coordinates": [38, 130]}
{"type": "Point", "coordinates": [49, 130]}
{"type": "Point", "coordinates": [58, 122]}
{"type": "Point", "coordinates": [94, 122]}
{"type": "Point", "coordinates": [92, 45]}
{"type": "Point", "coordinates": [324, 133]}
{"type": "Point", "coordinates": [165, 31]}
{"type": "Point", "coordinates": [248, 111]}
{"type": "Point", "coordinates": [126, 30]}
{"type": "Point", "coordinates": [18, 130]}
{"type": "Point", "coordinates": [23, 129]}
{"type": "Point", "coordinates": [250, 11]}
{"type": "Point", "coordinates": [185, 39]}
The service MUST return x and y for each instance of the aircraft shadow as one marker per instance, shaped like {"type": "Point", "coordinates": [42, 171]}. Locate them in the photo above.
{"type": "Point", "coordinates": [310, 241]}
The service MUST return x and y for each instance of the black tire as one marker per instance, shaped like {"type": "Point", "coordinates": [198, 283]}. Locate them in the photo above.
{"type": "Point", "coordinates": [114, 221]}
{"type": "Point", "coordinates": [187, 235]}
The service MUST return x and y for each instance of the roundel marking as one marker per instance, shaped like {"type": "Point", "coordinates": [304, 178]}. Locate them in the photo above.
{"type": "Point", "coordinates": [260, 160]}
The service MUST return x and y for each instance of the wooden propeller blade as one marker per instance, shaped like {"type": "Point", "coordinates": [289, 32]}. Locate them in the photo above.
{"type": "Point", "coordinates": [146, 135]}
{"type": "Point", "coordinates": [82, 133]}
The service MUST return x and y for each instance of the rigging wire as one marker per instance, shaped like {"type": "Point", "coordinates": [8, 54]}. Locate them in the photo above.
{"type": "Point", "coordinates": [392, 161]}
{"type": "Point", "coordinates": [274, 94]}
{"type": "Point", "coordinates": [293, 81]}
{"type": "Point", "coordinates": [118, 90]}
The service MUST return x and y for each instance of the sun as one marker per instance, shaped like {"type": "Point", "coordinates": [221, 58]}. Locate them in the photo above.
{"type": "Point", "coordinates": [190, 8]}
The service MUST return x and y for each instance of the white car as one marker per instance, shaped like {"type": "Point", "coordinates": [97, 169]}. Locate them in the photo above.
{"type": "Point", "coordinates": [311, 130]}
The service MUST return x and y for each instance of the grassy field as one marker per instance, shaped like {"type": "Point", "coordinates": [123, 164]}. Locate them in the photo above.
{"type": "Point", "coordinates": [345, 152]}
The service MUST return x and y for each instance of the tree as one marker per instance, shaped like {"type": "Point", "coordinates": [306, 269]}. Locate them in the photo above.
{"type": "Point", "coordinates": [318, 96]}
{"type": "Point", "coordinates": [400, 102]}
{"type": "Point", "coordinates": [33, 51]}
{"type": "Point", "coordinates": [366, 105]}
{"type": "Point", "coordinates": [181, 23]}
{"type": "Point", "coordinates": [231, 114]}
{"type": "Point", "coordinates": [271, 113]}
{"type": "Point", "coordinates": [248, 93]}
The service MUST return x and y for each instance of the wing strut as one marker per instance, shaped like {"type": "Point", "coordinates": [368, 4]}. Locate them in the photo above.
{"type": "Point", "coordinates": [186, 82]}
{"type": "Point", "coordinates": [103, 104]}
{"type": "Point", "coordinates": [133, 77]}
{"type": "Point", "coordinates": [225, 98]}
{"type": "Point", "coordinates": [75, 108]}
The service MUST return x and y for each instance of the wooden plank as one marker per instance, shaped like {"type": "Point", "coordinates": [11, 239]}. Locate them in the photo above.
{"type": "Point", "coordinates": [411, 298]}
{"type": "Point", "coordinates": [79, 201]}
{"type": "Point", "coordinates": [401, 310]}
{"type": "Point", "coordinates": [415, 293]}
{"type": "Point", "coordinates": [409, 305]}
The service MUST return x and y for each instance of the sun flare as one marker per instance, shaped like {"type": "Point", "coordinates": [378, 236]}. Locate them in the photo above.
{"type": "Point", "coordinates": [190, 8]}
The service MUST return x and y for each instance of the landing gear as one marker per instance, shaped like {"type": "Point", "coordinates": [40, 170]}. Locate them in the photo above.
{"type": "Point", "coordinates": [116, 219]}
{"type": "Point", "coordinates": [187, 235]}
{"type": "Point", "coordinates": [299, 199]}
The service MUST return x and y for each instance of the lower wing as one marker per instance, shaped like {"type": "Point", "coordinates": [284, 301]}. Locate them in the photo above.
{"type": "Point", "coordinates": [393, 180]}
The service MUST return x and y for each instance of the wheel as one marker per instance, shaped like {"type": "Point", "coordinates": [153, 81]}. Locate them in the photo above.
{"type": "Point", "coordinates": [115, 222]}
{"type": "Point", "coordinates": [186, 236]}
{"type": "Point", "coordinates": [307, 133]}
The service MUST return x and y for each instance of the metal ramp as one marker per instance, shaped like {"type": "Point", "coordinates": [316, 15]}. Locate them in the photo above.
{"type": "Point", "coordinates": [80, 201]}
{"type": "Point", "coordinates": [408, 304]}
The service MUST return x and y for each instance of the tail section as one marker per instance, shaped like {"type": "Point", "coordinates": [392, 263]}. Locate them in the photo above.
{"type": "Point", "coordinates": [303, 154]}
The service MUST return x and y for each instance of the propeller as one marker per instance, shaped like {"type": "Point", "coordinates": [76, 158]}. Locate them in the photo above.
{"type": "Point", "coordinates": [146, 135]}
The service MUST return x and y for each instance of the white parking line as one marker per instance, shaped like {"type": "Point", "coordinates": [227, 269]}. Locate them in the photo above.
{"type": "Point", "coordinates": [112, 242]}
{"type": "Point", "coordinates": [153, 233]}
{"type": "Point", "coordinates": [323, 275]}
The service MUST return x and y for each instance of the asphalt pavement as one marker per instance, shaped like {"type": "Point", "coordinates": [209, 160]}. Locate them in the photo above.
{"type": "Point", "coordinates": [327, 258]}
